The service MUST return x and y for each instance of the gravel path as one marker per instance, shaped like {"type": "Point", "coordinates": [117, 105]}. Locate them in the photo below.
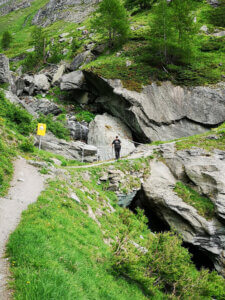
{"type": "Point", "coordinates": [26, 186]}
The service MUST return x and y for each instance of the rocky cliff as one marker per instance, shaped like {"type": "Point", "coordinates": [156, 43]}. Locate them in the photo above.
{"type": "Point", "coordinates": [68, 10]}
{"type": "Point", "coordinates": [161, 112]}
{"type": "Point", "coordinates": [204, 172]}
{"type": "Point", "coordinates": [7, 6]}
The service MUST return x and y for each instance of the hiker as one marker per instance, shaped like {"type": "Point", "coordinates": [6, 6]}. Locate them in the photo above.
{"type": "Point", "coordinates": [117, 147]}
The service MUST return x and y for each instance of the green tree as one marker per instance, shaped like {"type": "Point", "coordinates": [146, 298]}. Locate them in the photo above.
{"type": "Point", "coordinates": [217, 14]}
{"type": "Point", "coordinates": [162, 33]}
{"type": "Point", "coordinates": [6, 40]}
{"type": "Point", "coordinates": [111, 19]}
{"type": "Point", "coordinates": [173, 30]}
{"type": "Point", "coordinates": [142, 4]}
{"type": "Point", "coordinates": [185, 28]}
{"type": "Point", "coordinates": [38, 40]}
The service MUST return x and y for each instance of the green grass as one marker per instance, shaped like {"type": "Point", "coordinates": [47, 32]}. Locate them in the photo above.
{"type": "Point", "coordinates": [58, 251]}
{"type": "Point", "coordinates": [204, 141]}
{"type": "Point", "coordinates": [7, 154]}
{"type": "Point", "coordinates": [204, 205]}
{"type": "Point", "coordinates": [64, 256]}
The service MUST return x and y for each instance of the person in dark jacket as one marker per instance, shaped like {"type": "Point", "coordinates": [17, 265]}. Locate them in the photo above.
{"type": "Point", "coordinates": [117, 146]}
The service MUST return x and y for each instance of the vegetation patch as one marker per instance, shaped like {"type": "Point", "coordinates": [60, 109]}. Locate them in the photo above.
{"type": "Point", "coordinates": [97, 249]}
{"type": "Point", "coordinates": [214, 139]}
{"type": "Point", "coordinates": [204, 205]}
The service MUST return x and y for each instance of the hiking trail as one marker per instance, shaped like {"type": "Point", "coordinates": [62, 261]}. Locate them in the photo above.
{"type": "Point", "coordinates": [26, 186]}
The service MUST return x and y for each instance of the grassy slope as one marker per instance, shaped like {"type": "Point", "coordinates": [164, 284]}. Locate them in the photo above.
{"type": "Point", "coordinates": [58, 251]}
{"type": "Point", "coordinates": [63, 253]}
{"type": "Point", "coordinates": [206, 67]}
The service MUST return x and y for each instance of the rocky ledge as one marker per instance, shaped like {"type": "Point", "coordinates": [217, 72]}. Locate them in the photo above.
{"type": "Point", "coordinates": [203, 172]}
{"type": "Point", "coordinates": [161, 112]}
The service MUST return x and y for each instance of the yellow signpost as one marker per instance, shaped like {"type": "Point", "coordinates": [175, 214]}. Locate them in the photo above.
{"type": "Point", "coordinates": [41, 131]}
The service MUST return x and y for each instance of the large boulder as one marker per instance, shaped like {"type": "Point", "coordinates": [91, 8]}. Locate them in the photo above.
{"type": "Point", "coordinates": [158, 195]}
{"type": "Point", "coordinates": [103, 130]}
{"type": "Point", "coordinates": [161, 112]}
{"type": "Point", "coordinates": [72, 81]}
{"type": "Point", "coordinates": [80, 59]}
{"type": "Point", "coordinates": [31, 85]}
{"type": "Point", "coordinates": [205, 170]}
{"type": "Point", "coordinates": [41, 83]}
{"type": "Point", "coordinates": [70, 150]}
{"type": "Point", "coordinates": [78, 130]}
{"type": "Point", "coordinates": [71, 11]}
{"type": "Point", "coordinates": [5, 76]}
{"type": "Point", "coordinates": [58, 74]}
{"type": "Point", "coordinates": [40, 106]}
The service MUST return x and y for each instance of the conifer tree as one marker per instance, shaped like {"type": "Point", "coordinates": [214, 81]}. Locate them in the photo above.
{"type": "Point", "coordinates": [173, 30]}
{"type": "Point", "coordinates": [6, 40]}
{"type": "Point", "coordinates": [142, 4]}
{"type": "Point", "coordinates": [111, 19]}
{"type": "Point", "coordinates": [217, 14]}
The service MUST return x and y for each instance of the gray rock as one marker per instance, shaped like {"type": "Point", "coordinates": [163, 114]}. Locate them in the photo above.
{"type": "Point", "coordinates": [204, 28]}
{"type": "Point", "coordinates": [103, 130]}
{"type": "Point", "coordinates": [161, 112]}
{"type": "Point", "coordinates": [41, 83]}
{"type": "Point", "coordinates": [78, 130]}
{"type": "Point", "coordinates": [221, 33]}
{"type": "Point", "coordinates": [70, 150]}
{"type": "Point", "coordinates": [72, 81]}
{"type": "Point", "coordinates": [159, 195]}
{"type": "Point", "coordinates": [59, 73]}
{"type": "Point", "coordinates": [99, 49]}
{"type": "Point", "coordinates": [68, 10]}
{"type": "Point", "coordinates": [40, 106]}
{"type": "Point", "coordinates": [30, 85]}
{"type": "Point", "coordinates": [5, 76]}
{"type": "Point", "coordinates": [80, 59]}
{"type": "Point", "coordinates": [7, 6]}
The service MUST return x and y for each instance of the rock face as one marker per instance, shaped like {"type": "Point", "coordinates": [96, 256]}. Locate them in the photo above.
{"type": "Point", "coordinates": [69, 10]}
{"type": "Point", "coordinates": [5, 76]}
{"type": "Point", "coordinates": [80, 59]}
{"type": "Point", "coordinates": [103, 130]}
{"type": "Point", "coordinates": [6, 6]}
{"type": "Point", "coordinates": [70, 150]}
{"type": "Point", "coordinates": [78, 130]}
{"type": "Point", "coordinates": [40, 106]}
{"type": "Point", "coordinates": [161, 112]}
{"type": "Point", "coordinates": [32, 85]}
{"type": "Point", "coordinates": [206, 173]}
{"type": "Point", "coordinates": [72, 81]}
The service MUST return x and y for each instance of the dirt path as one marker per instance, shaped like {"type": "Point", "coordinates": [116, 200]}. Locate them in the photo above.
{"type": "Point", "coordinates": [26, 186]}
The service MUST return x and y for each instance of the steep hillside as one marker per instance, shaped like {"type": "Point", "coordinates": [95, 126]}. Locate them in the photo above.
{"type": "Point", "coordinates": [148, 226]}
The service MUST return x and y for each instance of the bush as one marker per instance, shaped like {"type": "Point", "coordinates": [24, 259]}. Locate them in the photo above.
{"type": "Point", "coordinates": [160, 264]}
{"type": "Point", "coordinates": [85, 116]}
{"type": "Point", "coordinates": [6, 40]}
{"type": "Point", "coordinates": [55, 53]}
{"type": "Point", "coordinates": [16, 117]}
{"type": "Point", "coordinates": [27, 145]}
{"type": "Point", "coordinates": [30, 62]}
{"type": "Point", "coordinates": [56, 127]}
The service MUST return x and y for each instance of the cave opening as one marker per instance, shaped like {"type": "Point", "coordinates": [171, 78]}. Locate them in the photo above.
{"type": "Point", "coordinates": [199, 257]}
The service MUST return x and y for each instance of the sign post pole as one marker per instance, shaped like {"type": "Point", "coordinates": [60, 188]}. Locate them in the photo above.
{"type": "Point", "coordinates": [40, 142]}
{"type": "Point", "coordinates": [41, 131]}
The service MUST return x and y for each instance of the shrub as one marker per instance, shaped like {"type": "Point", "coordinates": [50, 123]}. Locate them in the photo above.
{"type": "Point", "coordinates": [16, 117]}
{"type": "Point", "coordinates": [27, 145]}
{"type": "Point", "coordinates": [56, 127]}
{"type": "Point", "coordinates": [160, 264]}
{"type": "Point", "coordinates": [85, 116]}
{"type": "Point", "coordinates": [6, 40]}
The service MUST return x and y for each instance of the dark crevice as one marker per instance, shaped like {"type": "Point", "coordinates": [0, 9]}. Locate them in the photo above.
{"type": "Point", "coordinates": [199, 256]}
